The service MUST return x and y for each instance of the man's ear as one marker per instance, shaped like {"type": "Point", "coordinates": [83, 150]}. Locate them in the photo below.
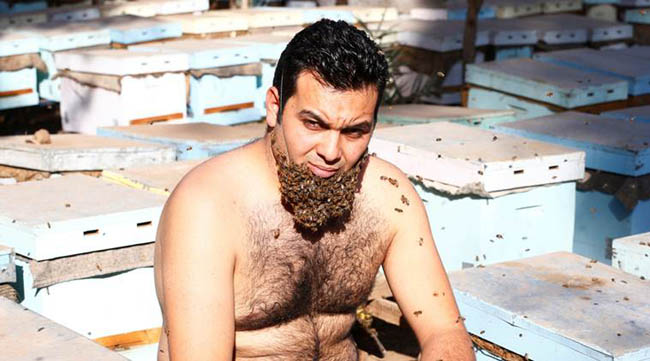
{"type": "Point", "coordinates": [272, 106]}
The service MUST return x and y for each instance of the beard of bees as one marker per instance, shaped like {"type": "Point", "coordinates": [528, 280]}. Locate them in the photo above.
{"type": "Point", "coordinates": [313, 201]}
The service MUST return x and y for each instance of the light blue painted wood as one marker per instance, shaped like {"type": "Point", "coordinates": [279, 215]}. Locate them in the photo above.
{"type": "Point", "coordinates": [638, 16]}
{"type": "Point", "coordinates": [598, 30]}
{"type": "Point", "coordinates": [406, 114]}
{"type": "Point", "coordinates": [508, 32]}
{"type": "Point", "coordinates": [635, 71]}
{"type": "Point", "coordinates": [589, 2]}
{"type": "Point", "coordinates": [558, 306]}
{"type": "Point", "coordinates": [18, 80]}
{"type": "Point", "coordinates": [20, 7]}
{"type": "Point", "coordinates": [145, 32]}
{"type": "Point", "coordinates": [513, 53]}
{"type": "Point", "coordinates": [57, 36]}
{"type": "Point", "coordinates": [192, 141]}
{"type": "Point", "coordinates": [642, 52]}
{"type": "Point", "coordinates": [457, 10]}
{"type": "Point", "coordinates": [632, 254]}
{"type": "Point", "coordinates": [210, 91]}
{"type": "Point", "coordinates": [490, 99]}
{"type": "Point", "coordinates": [636, 114]}
{"type": "Point", "coordinates": [634, 3]}
{"type": "Point", "coordinates": [313, 15]}
{"type": "Point", "coordinates": [50, 89]}
{"type": "Point", "coordinates": [35, 221]}
{"type": "Point", "coordinates": [554, 31]}
{"type": "Point", "coordinates": [600, 218]}
{"type": "Point", "coordinates": [504, 228]}
{"type": "Point", "coordinates": [549, 83]}
{"type": "Point", "coordinates": [7, 265]}
{"type": "Point", "coordinates": [625, 150]}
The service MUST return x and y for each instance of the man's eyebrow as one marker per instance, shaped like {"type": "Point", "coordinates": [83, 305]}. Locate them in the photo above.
{"type": "Point", "coordinates": [364, 126]}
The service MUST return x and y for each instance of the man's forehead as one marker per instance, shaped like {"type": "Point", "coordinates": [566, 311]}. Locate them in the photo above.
{"type": "Point", "coordinates": [315, 97]}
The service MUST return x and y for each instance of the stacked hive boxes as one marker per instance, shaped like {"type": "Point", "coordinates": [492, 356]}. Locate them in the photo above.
{"type": "Point", "coordinates": [18, 62]}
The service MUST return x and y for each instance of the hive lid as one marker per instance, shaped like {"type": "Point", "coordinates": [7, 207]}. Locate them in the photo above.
{"type": "Point", "coordinates": [562, 299]}
{"type": "Point", "coordinates": [207, 53]}
{"type": "Point", "coordinates": [121, 61]}
{"type": "Point", "coordinates": [270, 46]}
{"type": "Point", "coordinates": [426, 113]}
{"type": "Point", "coordinates": [634, 114]}
{"type": "Point", "coordinates": [17, 43]}
{"type": "Point", "coordinates": [462, 156]}
{"type": "Point", "coordinates": [611, 145]}
{"type": "Point", "coordinates": [28, 335]}
{"type": "Point", "coordinates": [56, 36]}
{"type": "Point", "coordinates": [440, 35]}
{"type": "Point", "coordinates": [208, 22]}
{"type": "Point", "coordinates": [77, 152]}
{"type": "Point", "coordinates": [75, 214]}
{"type": "Point", "coordinates": [193, 132]}
{"type": "Point", "coordinates": [158, 178]}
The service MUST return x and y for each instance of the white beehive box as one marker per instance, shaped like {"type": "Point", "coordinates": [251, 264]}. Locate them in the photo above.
{"type": "Point", "coordinates": [137, 78]}
{"type": "Point", "coordinates": [80, 152]}
{"type": "Point", "coordinates": [515, 191]}
{"type": "Point", "coordinates": [75, 216]}
{"type": "Point", "coordinates": [28, 336]}
{"type": "Point", "coordinates": [405, 114]}
{"type": "Point", "coordinates": [632, 254]}
{"type": "Point", "coordinates": [223, 78]}
{"type": "Point", "coordinates": [558, 306]}
{"type": "Point", "coordinates": [7, 265]}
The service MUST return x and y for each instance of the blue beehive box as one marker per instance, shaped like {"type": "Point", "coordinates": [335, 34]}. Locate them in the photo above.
{"type": "Point", "coordinates": [642, 52]}
{"type": "Point", "coordinates": [439, 36]}
{"type": "Point", "coordinates": [552, 31]}
{"type": "Point", "coordinates": [637, 16]}
{"type": "Point", "coordinates": [481, 98]}
{"type": "Point", "coordinates": [635, 71]}
{"type": "Point", "coordinates": [548, 83]}
{"type": "Point", "coordinates": [558, 306]}
{"type": "Point", "coordinates": [128, 29]}
{"type": "Point", "coordinates": [634, 114]}
{"type": "Point", "coordinates": [597, 30]}
{"type": "Point", "coordinates": [191, 140]}
{"type": "Point", "coordinates": [618, 156]}
{"type": "Point", "coordinates": [17, 85]}
{"type": "Point", "coordinates": [223, 79]}
{"type": "Point", "coordinates": [517, 194]}
{"type": "Point", "coordinates": [269, 48]}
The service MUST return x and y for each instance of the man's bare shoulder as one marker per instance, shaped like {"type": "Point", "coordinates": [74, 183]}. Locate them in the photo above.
{"type": "Point", "coordinates": [223, 177]}
{"type": "Point", "coordinates": [390, 190]}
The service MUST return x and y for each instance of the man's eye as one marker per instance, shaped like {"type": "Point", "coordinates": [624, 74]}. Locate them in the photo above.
{"type": "Point", "coordinates": [354, 133]}
{"type": "Point", "coordinates": [312, 124]}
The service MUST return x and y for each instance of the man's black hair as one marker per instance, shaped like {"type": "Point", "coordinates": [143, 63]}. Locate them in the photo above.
{"type": "Point", "coordinates": [338, 54]}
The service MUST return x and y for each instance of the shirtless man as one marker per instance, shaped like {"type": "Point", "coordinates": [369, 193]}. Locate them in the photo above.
{"type": "Point", "coordinates": [265, 252]}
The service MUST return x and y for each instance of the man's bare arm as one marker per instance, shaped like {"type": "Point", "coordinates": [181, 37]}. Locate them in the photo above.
{"type": "Point", "coordinates": [418, 280]}
{"type": "Point", "coordinates": [195, 265]}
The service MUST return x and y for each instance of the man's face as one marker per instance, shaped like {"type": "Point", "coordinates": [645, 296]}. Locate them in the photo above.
{"type": "Point", "coordinates": [324, 128]}
{"type": "Point", "coordinates": [317, 148]}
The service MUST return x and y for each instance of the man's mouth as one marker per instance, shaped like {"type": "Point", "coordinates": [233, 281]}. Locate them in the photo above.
{"type": "Point", "coordinates": [322, 172]}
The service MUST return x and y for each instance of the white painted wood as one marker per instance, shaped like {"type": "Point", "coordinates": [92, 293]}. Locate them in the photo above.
{"type": "Point", "coordinates": [558, 306]}
{"type": "Point", "coordinates": [159, 178]}
{"type": "Point", "coordinates": [86, 108]}
{"type": "Point", "coordinates": [552, 31]}
{"type": "Point", "coordinates": [58, 36]}
{"type": "Point", "coordinates": [209, 22]}
{"type": "Point", "coordinates": [121, 61]}
{"type": "Point", "coordinates": [207, 53]}
{"type": "Point", "coordinates": [75, 214]}
{"type": "Point", "coordinates": [429, 14]}
{"type": "Point", "coordinates": [461, 156]}
{"type": "Point", "coordinates": [7, 265]}
{"type": "Point", "coordinates": [78, 152]}
{"type": "Point", "coordinates": [169, 7]}
{"type": "Point", "coordinates": [137, 8]}
{"type": "Point", "coordinates": [28, 336]}
{"type": "Point", "coordinates": [12, 43]}
{"type": "Point", "coordinates": [442, 35]}
{"type": "Point", "coordinates": [73, 13]}
{"type": "Point", "coordinates": [606, 12]}
{"type": "Point", "coordinates": [632, 254]}
{"type": "Point", "coordinates": [270, 46]}
{"type": "Point", "coordinates": [425, 113]}
{"type": "Point", "coordinates": [259, 18]}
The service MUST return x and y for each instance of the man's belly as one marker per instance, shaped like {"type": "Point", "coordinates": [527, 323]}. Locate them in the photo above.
{"type": "Point", "coordinates": [321, 337]}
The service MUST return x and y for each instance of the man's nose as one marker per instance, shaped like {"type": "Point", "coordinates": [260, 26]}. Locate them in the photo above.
{"type": "Point", "coordinates": [329, 148]}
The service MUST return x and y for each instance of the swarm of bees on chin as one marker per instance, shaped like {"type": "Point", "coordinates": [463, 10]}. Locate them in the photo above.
{"type": "Point", "coordinates": [316, 201]}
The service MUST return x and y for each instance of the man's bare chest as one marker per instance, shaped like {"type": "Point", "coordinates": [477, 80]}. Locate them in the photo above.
{"type": "Point", "coordinates": [288, 275]}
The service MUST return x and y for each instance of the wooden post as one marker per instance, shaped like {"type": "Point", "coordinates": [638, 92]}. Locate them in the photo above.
{"type": "Point", "coordinates": [469, 39]}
